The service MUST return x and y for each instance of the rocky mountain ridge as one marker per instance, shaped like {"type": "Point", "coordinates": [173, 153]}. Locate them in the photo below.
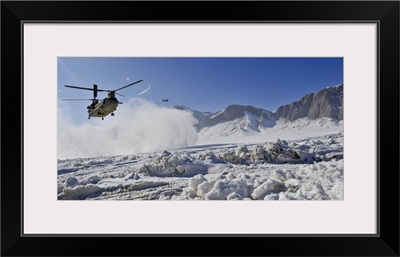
{"type": "Point", "coordinates": [327, 102]}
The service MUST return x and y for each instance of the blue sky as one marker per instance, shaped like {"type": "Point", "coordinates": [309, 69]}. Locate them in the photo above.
{"type": "Point", "coordinates": [204, 84]}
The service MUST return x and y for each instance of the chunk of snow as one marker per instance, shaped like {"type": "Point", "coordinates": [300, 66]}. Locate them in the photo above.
{"type": "Point", "coordinates": [132, 175]}
{"type": "Point", "coordinates": [278, 174]}
{"type": "Point", "coordinates": [313, 191]}
{"type": "Point", "coordinates": [209, 157]}
{"type": "Point", "coordinates": [189, 193]}
{"type": "Point", "coordinates": [337, 192]}
{"type": "Point", "coordinates": [79, 192]}
{"type": "Point", "coordinates": [165, 153]}
{"type": "Point", "coordinates": [268, 187]}
{"type": "Point", "coordinates": [60, 188]}
{"type": "Point", "coordinates": [234, 196]}
{"type": "Point", "coordinates": [222, 188]}
{"type": "Point", "coordinates": [205, 187]}
{"type": "Point", "coordinates": [272, 196]}
{"type": "Point", "coordinates": [241, 150]}
{"type": "Point", "coordinates": [195, 181]}
{"type": "Point", "coordinates": [94, 179]}
{"type": "Point", "coordinates": [230, 176]}
{"type": "Point", "coordinates": [292, 182]}
{"type": "Point", "coordinates": [71, 182]}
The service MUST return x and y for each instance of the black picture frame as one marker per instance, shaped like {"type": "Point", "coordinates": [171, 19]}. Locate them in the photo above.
{"type": "Point", "coordinates": [383, 13]}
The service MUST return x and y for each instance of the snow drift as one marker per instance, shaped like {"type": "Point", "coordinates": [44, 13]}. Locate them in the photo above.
{"type": "Point", "coordinates": [306, 169]}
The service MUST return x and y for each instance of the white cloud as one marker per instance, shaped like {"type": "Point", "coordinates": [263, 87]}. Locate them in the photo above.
{"type": "Point", "coordinates": [137, 127]}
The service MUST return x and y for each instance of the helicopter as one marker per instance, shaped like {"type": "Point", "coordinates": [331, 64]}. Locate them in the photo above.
{"type": "Point", "coordinates": [165, 100]}
{"type": "Point", "coordinates": [102, 108]}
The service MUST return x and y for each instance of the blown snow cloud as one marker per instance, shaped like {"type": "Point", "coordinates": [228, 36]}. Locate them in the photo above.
{"type": "Point", "coordinates": [139, 126]}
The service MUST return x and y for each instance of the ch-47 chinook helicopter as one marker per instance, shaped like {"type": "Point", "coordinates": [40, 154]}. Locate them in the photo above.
{"type": "Point", "coordinates": [101, 108]}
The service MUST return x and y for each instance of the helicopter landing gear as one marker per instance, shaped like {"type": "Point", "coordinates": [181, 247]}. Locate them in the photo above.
{"type": "Point", "coordinates": [88, 118]}
{"type": "Point", "coordinates": [112, 114]}
{"type": "Point", "coordinates": [102, 118]}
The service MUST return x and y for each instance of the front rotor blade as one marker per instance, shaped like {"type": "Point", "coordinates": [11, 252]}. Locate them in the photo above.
{"type": "Point", "coordinates": [129, 85]}
{"type": "Point", "coordinates": [84, 88]}
{"type": "Point", "coordinates": [119, 94]}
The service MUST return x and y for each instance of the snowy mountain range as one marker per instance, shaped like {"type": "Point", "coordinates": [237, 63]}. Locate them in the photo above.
{"type": "Point", "coordinates": [326, 103]}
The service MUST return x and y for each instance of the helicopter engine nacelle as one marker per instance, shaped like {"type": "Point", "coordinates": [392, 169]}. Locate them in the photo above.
{"type": "Point", "coordinates": [111, 95]}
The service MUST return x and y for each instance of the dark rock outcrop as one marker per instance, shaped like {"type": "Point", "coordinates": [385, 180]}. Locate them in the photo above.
{"type": "Point", "coordinates": [325, 103]}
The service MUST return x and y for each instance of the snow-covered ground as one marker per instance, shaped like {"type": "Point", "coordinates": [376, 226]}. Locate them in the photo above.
{"type": "Point", "coordinates": [241, 131]}
{"type": "Point", "coordinates": [301, 160]}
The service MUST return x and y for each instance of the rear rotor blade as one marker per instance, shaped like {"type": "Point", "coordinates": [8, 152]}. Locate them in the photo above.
{"type": "Point", "coordinates": [84, 88]}
{"type": "Point", "coordinates": [128, 85]}
{"type": "Point", "coordinates": [78, 99]}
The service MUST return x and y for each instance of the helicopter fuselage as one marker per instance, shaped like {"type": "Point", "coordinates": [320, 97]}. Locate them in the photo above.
{"type": "Point", "coordinates": [103, 107]}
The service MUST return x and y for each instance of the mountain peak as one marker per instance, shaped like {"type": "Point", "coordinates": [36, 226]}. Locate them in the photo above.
{"type": "Point", "coordinates": [249, 114]}
{"type": "Point", "coordinates": [327, 102]}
